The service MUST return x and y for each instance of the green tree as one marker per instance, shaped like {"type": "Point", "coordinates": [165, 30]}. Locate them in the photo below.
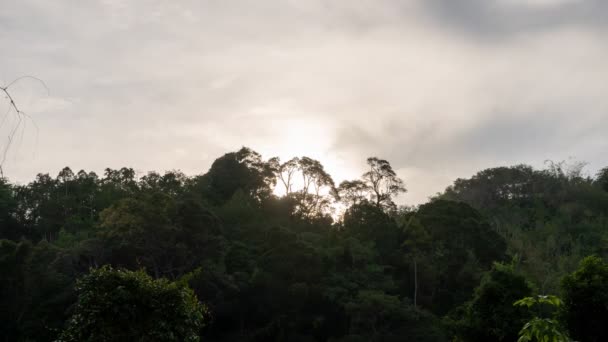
{"type": "Point", "coordinates": [541, 329]}
{"type": "Point", "coordinates": [464, 247]}
{"type": "Point", "coordinates": [552, 218]}
{"type": "Point", "coordinates": [417, 241]}
{"type": "Point", "coordinates": [34, 292]}
{"type": "Point", "coordinates": [166, 236]}
{"type": "Point", "coordinates": [491, 315]}
{"type": "Point", "coordinates": [13, 260]}
{"type": "Point", "coordinates": [585, 294]}
{"type": "Point", "coordinates": [312, 201]}
{"type": "Point", "coordinates": [120, 305]}
{"type": "Point", "coordinates": [370, 223]}
{"type": "Point", "coordinates": [377, 316]}
{"type": "Point", "coordinates": [244, 170]}
{"type": "Point", "coordinates": [602, 179]}
{"type": "Point", "coordinates": [9, 226]}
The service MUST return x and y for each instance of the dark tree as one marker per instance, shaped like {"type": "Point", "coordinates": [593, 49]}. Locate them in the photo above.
{"type": "Point", "coordinates": [491, 315]}
{"type": "Point", "coordinates": [602, 179]}
{"type": "Point", "coordinates": [464, 246]}
{"type": "Point", "coordinates": [119, 305]}
{"type": "Point", "coordinates": [352, 192]}
{"type": "Point", "coordinates": [382, 182]}
{"type": "Point", "coordinates": [585, 297]}
{"type": "Point", "coordinates": [286, 172]}
{"type": "Point", "coordinates": [242, 170]}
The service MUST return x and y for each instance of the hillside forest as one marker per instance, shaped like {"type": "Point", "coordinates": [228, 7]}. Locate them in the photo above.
{"type": "Point", "coordinates": [510, 253]}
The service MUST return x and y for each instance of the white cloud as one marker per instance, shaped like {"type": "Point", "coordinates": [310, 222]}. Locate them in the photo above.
{"type": "Point", "coordinates": [164, 85]}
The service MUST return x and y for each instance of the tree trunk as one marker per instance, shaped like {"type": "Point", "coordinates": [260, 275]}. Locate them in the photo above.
{"type": "Point", "coordinates": [415, 283]}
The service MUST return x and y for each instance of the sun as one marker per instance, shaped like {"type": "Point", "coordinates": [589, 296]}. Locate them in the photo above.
{"type": "Point", "coordinates": [310, 137]}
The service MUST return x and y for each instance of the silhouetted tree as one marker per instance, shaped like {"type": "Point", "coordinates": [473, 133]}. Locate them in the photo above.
{"type": "Point", "coordinates": [382, 182]}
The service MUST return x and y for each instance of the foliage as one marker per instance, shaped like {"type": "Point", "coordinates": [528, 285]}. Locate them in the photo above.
{"type": "Point", "coordinates": [120, 305]}
{"type": "Point", "coordinates": [602, 179]}
{"type": "Point", "coordinates": [541, 329]}
{"type": "Point", "coordinates": [585, 294]}
{"type": "Point", "coordinates": [464, 247]}
{"type": "Point", "coordinates": [35, 290]}
{"type": "Point", "coordinates": [244, 170]}
{"type": "Point", "coordinates": [551, 218]}
{"type": "Point", "coordinates": [490, 314]}
{"type": "Point", "coordinates": [315, 263]}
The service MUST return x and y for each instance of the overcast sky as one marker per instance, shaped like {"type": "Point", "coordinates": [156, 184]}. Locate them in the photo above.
{"type": "Point", "coordinates": [440, 88]}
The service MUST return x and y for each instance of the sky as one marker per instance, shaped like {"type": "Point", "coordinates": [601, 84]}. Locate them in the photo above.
{"type": "Point", "coordinates": [439, 88]}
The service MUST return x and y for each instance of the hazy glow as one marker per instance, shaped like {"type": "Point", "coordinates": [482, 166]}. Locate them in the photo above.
{"type": "Point", "coordinates": [299, 136]}
{"type": "Point", "coordinates": [440, 88]}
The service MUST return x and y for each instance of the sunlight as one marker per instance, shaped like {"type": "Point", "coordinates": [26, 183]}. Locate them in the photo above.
{"type": "Point", "coordinates": [310, 137]}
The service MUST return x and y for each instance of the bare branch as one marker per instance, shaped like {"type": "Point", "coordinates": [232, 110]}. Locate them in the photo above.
{"type": "Point", "coordinates": [21, 117]}
{"type": "Point", "coordinates": [30, 77]}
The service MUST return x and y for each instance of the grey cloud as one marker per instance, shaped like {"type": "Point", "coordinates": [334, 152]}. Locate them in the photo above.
{"type": "Point", "coordinates": [498, 19]}
{"type": "Point", "coordinates": [499, 139]}
{"type": "Point", "coordinates": [163, 85]}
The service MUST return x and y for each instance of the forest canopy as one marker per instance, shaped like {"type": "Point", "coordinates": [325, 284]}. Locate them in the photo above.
{"type": "Point", "coordinates": [220, 257]}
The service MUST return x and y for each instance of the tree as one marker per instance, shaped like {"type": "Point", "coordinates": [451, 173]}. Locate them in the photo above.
{"type": "Point", "coordinates": [352, 192]}
{"type": "Point", "coordinates": [552, 218]}
{"type": "Point", "coordinates": [34, 292]}
{"type": "Point", "coordinates": [314, 176]}
{"type": "Point", "coordinates": [541, 329]}
{"type": "Point", "coordinates": [171, 183]}
{"type": "Point", "coordinates": [312, 200]}
{"type": "Point", "coordinates": [167, 236]}
{"type": "Point", "coordinates": [368, 222]}
{"type": "Point", "coordinates": [120, 305]}
{"type": "Point", "coordinates": [244, 170]}
{"type": "Point", "coordinates": [382, 182]}
{"type": "Point", "coordinates": [116, 185]}
{"type": "Point", "coordinates": [9, 226]}
{"type": "Point", "coordinates": [491, 315]}
{"type": "Point", "coordinates": [602, 179]}
{"type": "Point", "coordinates": [417, 240]}
{"type": "Point", "coordinates": [377, 316]}
{"type": "Point", "coordinates": [13, 262]}
{"type": "Point", "coordinates": [286, 172]}
{"type": "Point", "coordinates": [585, 294]}
{"type": "Point", "coordinates": [491, 188]}
{"type": "Point", "coordinates": [464, 246]}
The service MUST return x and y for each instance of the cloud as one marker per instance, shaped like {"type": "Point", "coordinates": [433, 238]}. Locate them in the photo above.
{"type": "Point", "coordinates": [496, 20]}
{"type": "Point", "coordinates": [440, 88]}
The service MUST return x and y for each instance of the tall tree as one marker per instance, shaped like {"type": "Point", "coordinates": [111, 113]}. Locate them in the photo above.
{"type": "Point", "coordinates": [313, 202]}
{"type": "Point", "coordinates": [382, 182]}
{"type": "Point", "coordinates": [287, 171]}
{"type": "Point", "coordinates": [417, 241]}
{"type": "Point", "coordinates": [352, 192]}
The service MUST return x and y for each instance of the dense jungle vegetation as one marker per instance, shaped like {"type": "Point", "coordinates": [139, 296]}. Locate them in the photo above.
{"type": "Point", "coordinates": [220, 257]}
